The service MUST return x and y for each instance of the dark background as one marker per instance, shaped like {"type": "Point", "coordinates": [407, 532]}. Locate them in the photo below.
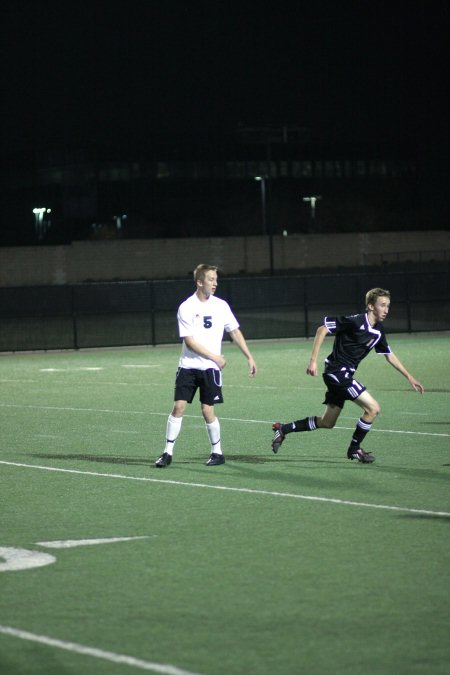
{"type": "Point", "coordinates": [165, 80]}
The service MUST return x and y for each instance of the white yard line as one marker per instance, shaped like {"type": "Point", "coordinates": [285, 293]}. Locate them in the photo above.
{"type": "Point", "coordinates": [74, 543]}
{"type": "Point", "coordinates": [165, 668]}
{"type": "Point", "coordinates": [225, 488]}
{"type": "Point", "coordinates": [228, 419]}
{"type": "Point", "coordinates": [140, 365]}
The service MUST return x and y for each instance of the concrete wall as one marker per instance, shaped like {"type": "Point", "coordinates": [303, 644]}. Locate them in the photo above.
{"type": "Point", "coordinates": [176, 258]}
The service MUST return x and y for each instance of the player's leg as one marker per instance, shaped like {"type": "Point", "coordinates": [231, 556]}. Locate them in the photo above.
{"type": "Point", "coordinates": [173, 426]}
{"type": "Point", "coordinates": [370, 406]}
{"type": "Point", "coordinates": [371, 409]}
{"type": "Point", "coordinates": [330, 416]}
{"type": "Point", "coordinates": [213, 430]}
{"type": "Point", "coordinates": [185, 388]}
{"type": "Point", "coordinates": [334, 402]}
{"type": "Point", "coordinates": [210, 394]}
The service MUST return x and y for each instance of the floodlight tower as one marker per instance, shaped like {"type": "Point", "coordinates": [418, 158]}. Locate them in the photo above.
{"type": "Point", "coordinates": [262, 180]}
{"type": "Point", "coordinates": [312, 199]}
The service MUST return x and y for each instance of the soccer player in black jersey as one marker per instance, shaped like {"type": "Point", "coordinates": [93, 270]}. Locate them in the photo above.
{"type": "Point", "coordinates": [355, 337]}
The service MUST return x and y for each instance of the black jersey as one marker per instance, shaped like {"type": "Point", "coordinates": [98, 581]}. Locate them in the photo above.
{"type": "Point", "coordinates": [354, 338]}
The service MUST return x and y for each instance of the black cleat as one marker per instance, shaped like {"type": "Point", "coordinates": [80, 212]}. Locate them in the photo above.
{"type": "Point", "coordinates": [360, 455]}
{"type": "Point", "coordinates": [215, 459]}
{"type": "Point", "coordinates": [278, 437]}
{"type": "Point", "coordinates": [164, 460]}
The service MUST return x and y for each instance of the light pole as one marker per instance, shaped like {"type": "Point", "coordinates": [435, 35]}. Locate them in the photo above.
{"type": "Point", "coordinates": [41, 221]}
{"type": "Point", "coordinates": [312, 199]}
{"type": "Point", "coordinates": [262, 180]}
{"type": "Point", "coordinates": [266, 230]}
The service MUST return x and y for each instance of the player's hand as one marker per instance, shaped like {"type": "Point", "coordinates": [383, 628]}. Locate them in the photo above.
{"type": "Point", "coordinates": [252, 368]}
{"type": "Point", "coordinates": [417, 386]}
{"type": "Point", "coordinates": [220, 360]}
{"type": "Point", "coordinates": [312, 369]}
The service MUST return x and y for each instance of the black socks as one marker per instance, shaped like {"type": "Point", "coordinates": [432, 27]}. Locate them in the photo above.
{"type": "Point", "coordinates": [307, 424]}
{"type": "Point", "coordinates": [362, 428]}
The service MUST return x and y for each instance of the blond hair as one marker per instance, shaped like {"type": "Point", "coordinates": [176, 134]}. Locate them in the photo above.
{"type": "Point", "coordinates": [201, 270]}
{"type": "Point", "coordinates": [375, 293]}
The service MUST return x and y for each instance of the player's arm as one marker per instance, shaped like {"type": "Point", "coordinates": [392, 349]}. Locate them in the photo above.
{"type": "Point", "coordinates": [320, 336]}
{"type": "Point", "coordinates": [198, 348]}
{"type": "Point", "coordinates": [398, 365]}
{"type": "Point", "coordinates": [239, 340]}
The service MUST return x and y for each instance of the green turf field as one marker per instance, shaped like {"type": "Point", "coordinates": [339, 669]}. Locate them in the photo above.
{"type": "Point", "coordinates": [299, 563]}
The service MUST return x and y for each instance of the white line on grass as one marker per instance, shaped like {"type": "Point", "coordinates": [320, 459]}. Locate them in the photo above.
{"type": "Point", "coordinates": [123, 431]}
{"type": "Point", "coordinates": [225, 488]}
{"type": "Point", "coordinates": [227, 419]}
{"type": "Point", "coordinates": [15, 381]}
{"type": "Point", "coordinates": [97, 653]}
{"type": "Point", "coordinates": [399, 431]}
{"type": "Point", "coordinates": [72, 543]}
{"type": "Point", "coordinates": [69, 370]}
{"type": "Point", "coordinates": [140, 365]}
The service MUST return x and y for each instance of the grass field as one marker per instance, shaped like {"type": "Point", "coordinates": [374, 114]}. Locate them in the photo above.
{"type": "Point", "coordinates": [299, 563]}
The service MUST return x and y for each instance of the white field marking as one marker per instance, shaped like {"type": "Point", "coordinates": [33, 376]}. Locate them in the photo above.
{"type": "Point", "coordinates": [72, 543]}
{"type": "Point", "coordinates": [71, 409]}
{"type": "Point", "coordinates": [154, 384]}
{"type": "Point", "coordinates": [123, 431]}
{"type": "Point", "coordinates": [269, 386]}
{"type": "Point", "coordinates": [398, 431]}
{"type": "Point", "coordinates": [165, 668]}
{"type": "Point", "coordinates": [224, 488]}
{"type": "Point", "coordinates": [139, 365]}
{"type": "Point", "coordinates": [67, 370]}
{"type": "Point", "coordinates": [225, 419]}
{"type": "Point", "coordinates": [400, 412]}
{"type": "Point", "coordinates": [23, 559]}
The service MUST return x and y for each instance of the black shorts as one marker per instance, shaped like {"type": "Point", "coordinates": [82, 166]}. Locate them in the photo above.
{"type": "Point", "coordinates": [188, 380]}
{"type": "Point", "coordinates": [341, 387]}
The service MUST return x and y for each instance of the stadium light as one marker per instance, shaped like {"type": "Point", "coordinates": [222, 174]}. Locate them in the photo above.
{"type": "Point", "coordinates": [41, 221]}
{"type": "Point", "coordinates": [312, 199]}
{"type": "Point", "coordinates": [262, 180]}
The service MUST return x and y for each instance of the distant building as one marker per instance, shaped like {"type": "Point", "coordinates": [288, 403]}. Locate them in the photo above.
{"type": "Point", "coordinates": [173, 188]}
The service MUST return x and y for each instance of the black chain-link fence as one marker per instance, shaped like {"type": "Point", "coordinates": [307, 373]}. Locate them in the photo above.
{"type": "Point", "coordinates": [144, 313]}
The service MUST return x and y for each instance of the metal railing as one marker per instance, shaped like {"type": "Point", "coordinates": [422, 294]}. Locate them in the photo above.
{"type": "Point", "coordinates": [144, 313]}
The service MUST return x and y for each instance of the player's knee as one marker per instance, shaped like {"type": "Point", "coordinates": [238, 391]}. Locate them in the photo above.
{"type": "Point", "coordinates": [178, 408]}
{"type": "Point", "coordinates": [373, 410]}
{"type": "Point", "coordinates": [208, 413]}
{"type": "Point", "coordinates": [324, 423]}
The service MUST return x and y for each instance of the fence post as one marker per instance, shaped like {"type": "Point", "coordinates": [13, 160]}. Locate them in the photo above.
{"type": "Point", "coordinates": [408, 303]}
{"type": "Point", "coordinates": [305, 306]}
{"type": "Point", "coordinates": [152, 312]}
{"type": "Point", "coordinates": [74, 318]}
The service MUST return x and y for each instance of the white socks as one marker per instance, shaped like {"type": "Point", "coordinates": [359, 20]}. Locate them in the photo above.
{"type": "Point", "coordinates": [174, 428]}
{"type": "Point", "coordinates": [172, 431]}
{"type": "Point", "coordinates": [213, 430]}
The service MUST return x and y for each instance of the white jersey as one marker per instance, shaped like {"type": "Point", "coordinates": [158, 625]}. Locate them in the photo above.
{"type": "Point", "coordinates": [205, 322]}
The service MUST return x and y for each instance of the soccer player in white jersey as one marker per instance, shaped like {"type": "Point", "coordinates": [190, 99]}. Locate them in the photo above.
{"type": "Point", "coordinates": [202, 320]}
{"type": "Point", "coordinates": [355, 337]}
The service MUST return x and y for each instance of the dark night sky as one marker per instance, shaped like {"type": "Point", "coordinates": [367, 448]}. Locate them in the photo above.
{"type": "Point", "coordinates": [122, 71]}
